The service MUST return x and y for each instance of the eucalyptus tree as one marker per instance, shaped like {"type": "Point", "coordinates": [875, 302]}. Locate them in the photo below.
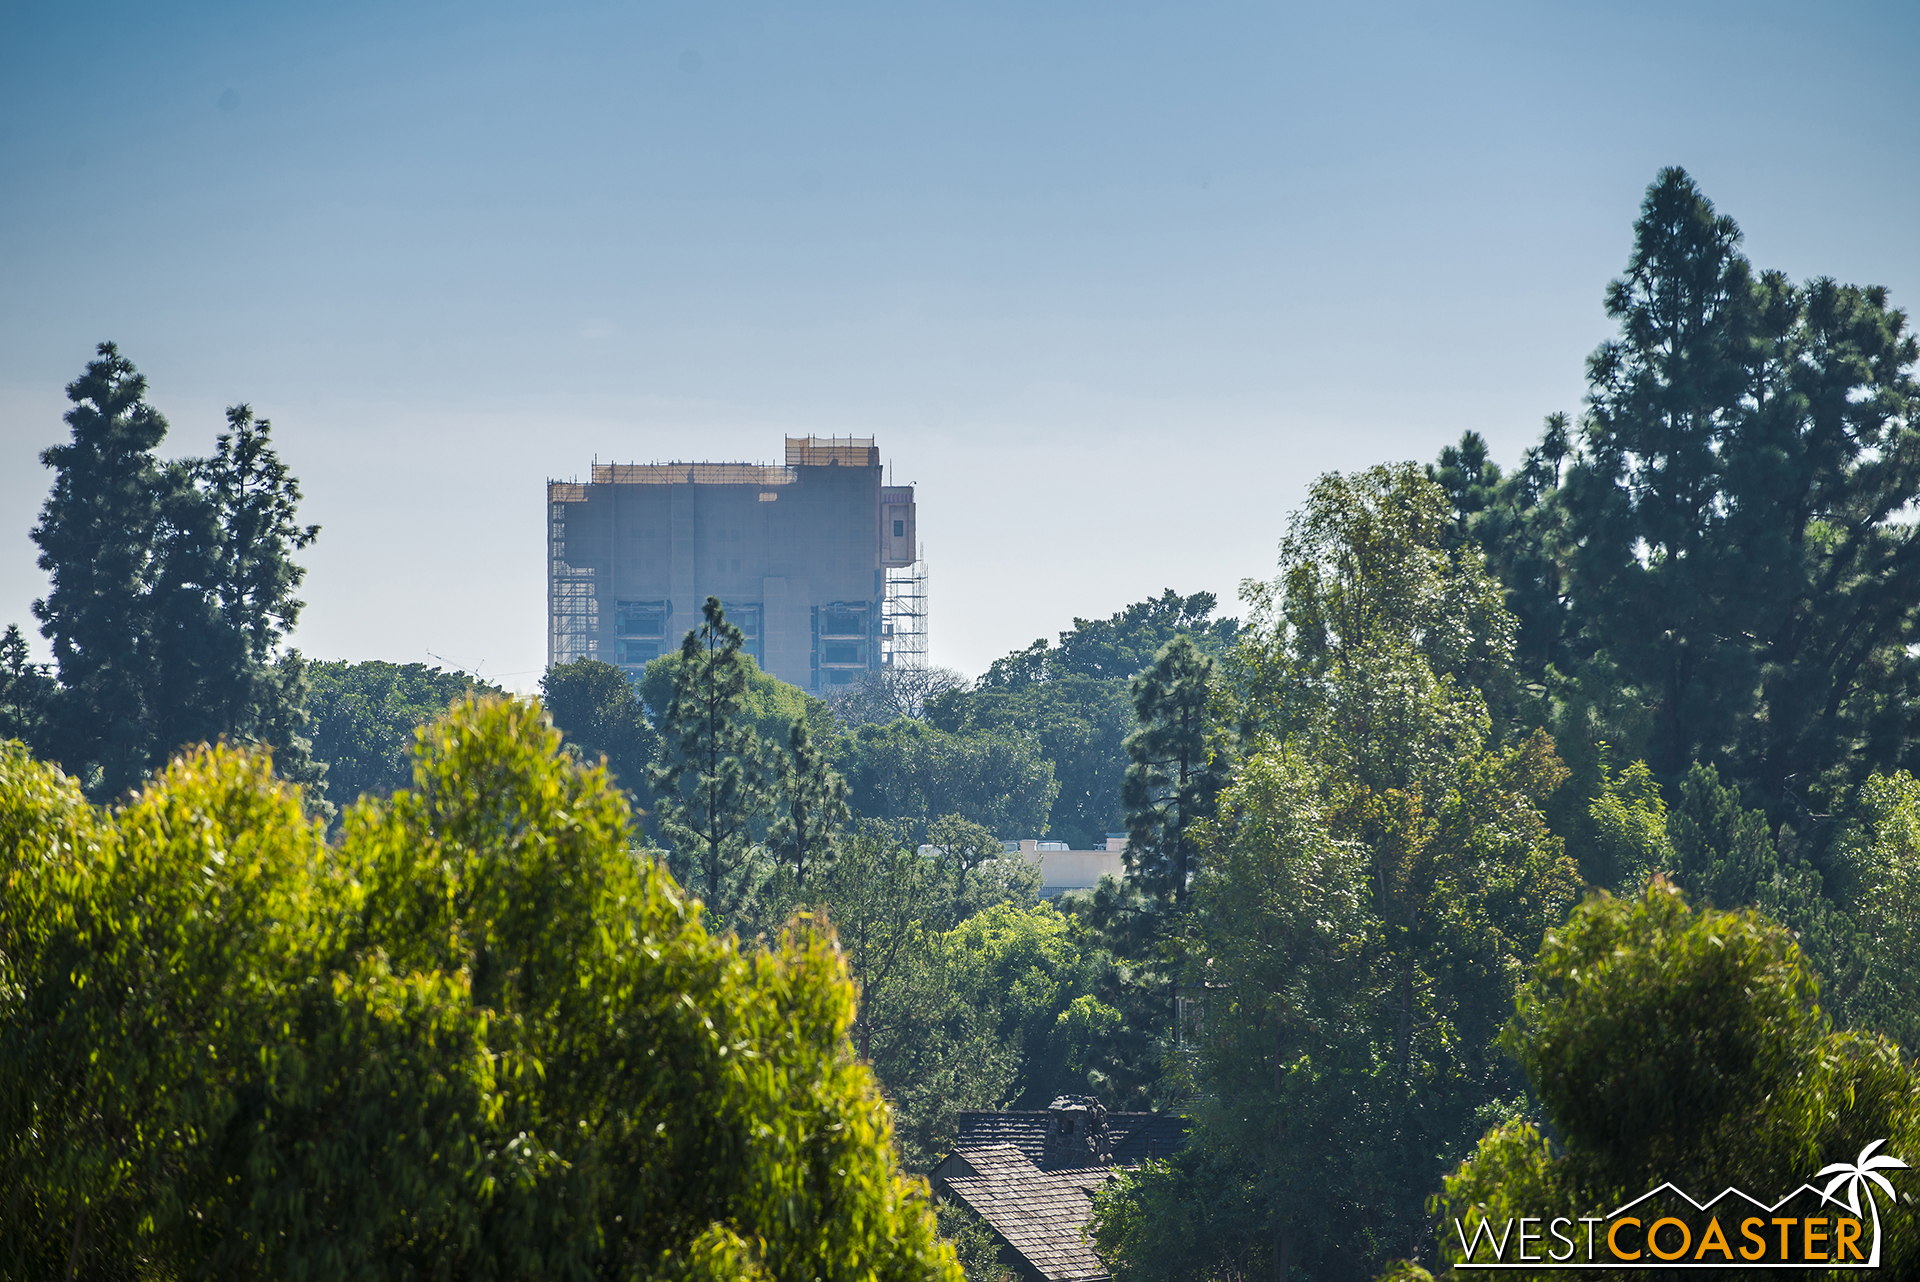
{"type": "Point", "coordinates": [476, 1036]}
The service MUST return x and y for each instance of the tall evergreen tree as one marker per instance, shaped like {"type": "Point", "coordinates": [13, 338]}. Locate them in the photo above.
{"type": "Point", "coordinates": [101, 541]}
{"type": "Point", "coordinates": [240, 591]}
{"type": "Point", "coordinates": [1178, 767]}
{"type": "Point", "coordinates": [1646, 499]}
{"type": "Point", "coordinates": [711, 790]}
{"type": "Point", "coordinates": [172, 588]}
{"type": "Point", "coordinates": [26, 691]}
{"type": "Point", "coordinates": [812, 803]}
{"type": "Point", "coordinates": [1720, 569]}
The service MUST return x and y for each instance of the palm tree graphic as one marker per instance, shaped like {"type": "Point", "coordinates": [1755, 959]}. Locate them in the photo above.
{"type": "Point", "coordinates": [1856, 1176]}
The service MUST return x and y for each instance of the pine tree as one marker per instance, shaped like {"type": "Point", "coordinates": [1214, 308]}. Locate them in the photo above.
{"type": "Point", "coordinates": [1177, 769]}
{"type": "Point", "coordinates": [812, 801]}
{"type": "Point", "coordinates": [26, 691]}
{"type": "Point", "coordinates": [172, 589]}
{"type": "Point", "coordinates": [711, 791]}
{"type": "Point", "coordinates": [256, 691]}
{"type": "Point", "coordinates": [101, 539]}
{"type": "Point", "coordinates": [1721, 565]}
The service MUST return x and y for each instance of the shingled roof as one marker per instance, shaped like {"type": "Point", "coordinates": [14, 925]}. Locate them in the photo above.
{"type": "Point", "coordinates": [1032, 1175]}
{"type": "Point", "coordinates": [1038, 1213]}
{"type": "Point", "coordinates": [1136, 1137]}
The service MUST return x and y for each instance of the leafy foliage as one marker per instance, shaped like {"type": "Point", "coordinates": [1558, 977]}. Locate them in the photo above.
{"type": "Point", "coordinates": [1118, 647]}
{"type": "Point", "coordinates": [1378, 870]}
{"type": "Point", "coordinates": [478, 1037]}
{"type": "Point", "coordinates": [911, 773]}
{"type": "Point", "coordinates": [598, 710]}
{"type": "Point", "coordinates": [1672, 1043]}
{"type": "Point", "coordinates": [363, 718]}
{"type": "Point", "coordinates": [1883, 901]}
{"type": "Point", "coordinates": [935, 1051]}
{"type": "Point", "coordinates": [1079, 723]}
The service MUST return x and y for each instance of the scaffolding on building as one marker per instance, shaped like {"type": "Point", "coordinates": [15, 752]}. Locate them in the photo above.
{"type": "Point", "coordinates": [761, 474]}
{"type": "Point", "coordinates": [821, 451]}
{"type": "Point", "coordinates": [903, 616]}
{"type": "Point", "coordinates": [573, 608]}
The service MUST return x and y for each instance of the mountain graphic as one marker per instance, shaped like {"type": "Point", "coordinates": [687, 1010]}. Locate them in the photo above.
{"type": "Point", "coordinates": [1667, 1228]}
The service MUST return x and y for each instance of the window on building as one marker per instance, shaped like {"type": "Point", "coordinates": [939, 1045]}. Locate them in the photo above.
{"type": "Point", "coordinates": [641, 618]}
{"type": "Point", "coordinates": [899, 529]}
{"type": "Point", "coordinates": [843, 619]}
{"type": "Point", "coordinates": [636, 652]}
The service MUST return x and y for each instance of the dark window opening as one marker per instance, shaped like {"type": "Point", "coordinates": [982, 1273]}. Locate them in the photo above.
{"type": "Point", "coordinates": [746, 617]}
{"type": "Point", "coordinates": [843, 621]}
{"type": "Point", "coordinates": [899, 529]}
{"type": "Point", "coordinates": [843, 652]}
{"type": "Point", "coordinates": [642, 618]}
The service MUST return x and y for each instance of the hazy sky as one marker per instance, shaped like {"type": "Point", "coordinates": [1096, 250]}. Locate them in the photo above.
{"type": "Point", "coordinates": [1110, 282]}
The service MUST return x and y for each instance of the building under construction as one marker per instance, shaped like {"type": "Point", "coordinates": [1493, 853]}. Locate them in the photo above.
{"type": "Point", "coordinates": [815, 560]}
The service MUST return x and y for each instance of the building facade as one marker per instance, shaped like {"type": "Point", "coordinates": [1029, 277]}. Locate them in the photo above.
{"type": "Point", "coordinates": [815, 561]}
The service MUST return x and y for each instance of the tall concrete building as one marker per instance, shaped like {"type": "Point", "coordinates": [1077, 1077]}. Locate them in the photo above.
{"type": "Point", "coordinates": [815, 560]}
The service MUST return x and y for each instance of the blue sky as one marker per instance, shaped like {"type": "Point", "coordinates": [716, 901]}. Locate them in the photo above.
{"type": "Point", "coordinates": [1110, 281]}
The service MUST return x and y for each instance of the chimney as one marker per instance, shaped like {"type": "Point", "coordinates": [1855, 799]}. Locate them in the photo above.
{"type": "Point", "coordinates": [1077, 1131]}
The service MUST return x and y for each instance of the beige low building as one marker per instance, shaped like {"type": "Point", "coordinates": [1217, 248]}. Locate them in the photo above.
{"type": "Point", "coordinates": [1062, 868]}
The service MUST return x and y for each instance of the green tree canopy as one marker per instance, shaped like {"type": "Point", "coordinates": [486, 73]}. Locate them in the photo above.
{"type": "Point", "coordinates": [911, 773]}
{"type": "Point", "coordinates": [363, 718]}
{"type": "Point", "coordinates": [1117, 647]}
{"type": "Point", "coordinates": [934, 1049]}
{"type": "Point", "coordinates": [1882, 897]}
{"type": "Point", "coordinates": [1378, 871]}
{"type": "Point", "coordinates": [1080, 724]}
{"type": "Point", "coordinates": [478, 1037]}
{"type": "Point", "coordinates": [1667, 1043]}
{"type": "Point", "coordinates": [597, 708]}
